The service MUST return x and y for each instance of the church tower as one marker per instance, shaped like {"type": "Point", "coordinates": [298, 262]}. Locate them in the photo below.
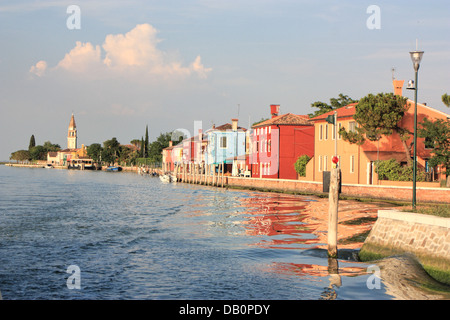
{"type": "Point", "coordinates": [72, 134]}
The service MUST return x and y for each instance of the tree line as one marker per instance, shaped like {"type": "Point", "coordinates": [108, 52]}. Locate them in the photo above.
{"type": "Point", "coordinates": [109, 152]}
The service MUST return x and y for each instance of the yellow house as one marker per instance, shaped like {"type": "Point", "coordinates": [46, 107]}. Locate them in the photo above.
{"type": "Point", "coordinates": [356, 166]}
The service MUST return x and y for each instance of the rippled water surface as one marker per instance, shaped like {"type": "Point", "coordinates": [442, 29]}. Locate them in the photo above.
{"type": "Point", "coordinates": [133, 237]}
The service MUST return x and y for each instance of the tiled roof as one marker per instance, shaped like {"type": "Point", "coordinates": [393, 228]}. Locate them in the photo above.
{"type": "Point", "coordinates": [72, 122]}
{"type": "Point", "coordinates": [226, 126]}
{"type": "Point", "coordinates": [286, 119]}
{"type": "Point", "coordinates": [343, 112]}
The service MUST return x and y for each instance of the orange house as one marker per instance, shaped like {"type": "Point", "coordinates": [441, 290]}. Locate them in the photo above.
{"type": "Point", "coordinates": [357, 162]}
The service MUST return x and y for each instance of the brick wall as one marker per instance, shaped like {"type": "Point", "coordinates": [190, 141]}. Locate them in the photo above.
{"type": "Point", "coordinates": [438, 195]}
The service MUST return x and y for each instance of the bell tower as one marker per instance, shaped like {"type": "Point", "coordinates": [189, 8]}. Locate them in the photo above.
{"type": "Point", "coordinates": [72, 134]}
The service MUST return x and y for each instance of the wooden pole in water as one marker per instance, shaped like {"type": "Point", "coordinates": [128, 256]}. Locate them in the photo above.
{"type": "Point", "coordinates": [204, 174]}
{"type": "Point", "coordinates": [333, 198]}
{"type": "Point", "coordinates": [223, 169]}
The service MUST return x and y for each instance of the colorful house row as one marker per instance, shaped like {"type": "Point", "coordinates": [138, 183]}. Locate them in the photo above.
{"type": "Point", "coordinates": [270, 148]}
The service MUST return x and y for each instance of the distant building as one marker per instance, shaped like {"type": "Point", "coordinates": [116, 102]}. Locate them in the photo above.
{"type": "Point", "coordinates": [72, 134]}
{"type": "Point", "coordinates": [226, 144]}
{"type": "Point", "coordinates": [71, 157]}
{"type": "Point", "coordinates": [168, 163]}
{"type": "Point", "coordinates": [277, 143]}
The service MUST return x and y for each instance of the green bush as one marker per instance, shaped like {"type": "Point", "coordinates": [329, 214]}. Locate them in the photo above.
{"type": "Point", "coordinates": [300, 165]}
{"type": "Point", "coordinates": [392, 170]}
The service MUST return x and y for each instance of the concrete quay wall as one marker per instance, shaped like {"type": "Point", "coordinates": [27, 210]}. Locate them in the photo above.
{"type": "Point", "coordinates": [426, 236]}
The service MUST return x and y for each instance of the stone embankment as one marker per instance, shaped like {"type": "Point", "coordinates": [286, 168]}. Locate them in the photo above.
{"type": "Point", "coordinates": [425, 236]}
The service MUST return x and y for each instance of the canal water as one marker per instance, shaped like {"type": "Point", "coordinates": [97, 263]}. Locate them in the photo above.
{"type": "Point", "coordinates": [133, 237]}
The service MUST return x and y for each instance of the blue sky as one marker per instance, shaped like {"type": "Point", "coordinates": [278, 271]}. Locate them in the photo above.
{"type": "Point", "coordinates": [166, 64]}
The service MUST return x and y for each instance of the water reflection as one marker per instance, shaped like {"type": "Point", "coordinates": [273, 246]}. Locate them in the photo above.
{"type": "Point", "coordinates": [295, 222]}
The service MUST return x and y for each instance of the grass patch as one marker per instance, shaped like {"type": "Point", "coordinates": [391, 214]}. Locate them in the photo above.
{"type": "Point", "coordinates": [440, 275]}
{"type": "Point", "coordinates": [359, 221]}
{"type": "Point", "coordinates": [440, 210]}
{"type": "Point", "coordinates": [356, 238]}
{"type": "Point", "coordinates": [437, 268]}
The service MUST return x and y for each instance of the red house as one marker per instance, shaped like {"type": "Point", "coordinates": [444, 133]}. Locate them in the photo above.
{"type": "Point", "coordinates": [276, 144]}
{"type": "Point", "coordinates": [168, 162]}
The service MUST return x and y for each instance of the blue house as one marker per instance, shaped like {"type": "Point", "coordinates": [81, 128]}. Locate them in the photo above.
{"type": "Point", "coordinates": [226, 145]}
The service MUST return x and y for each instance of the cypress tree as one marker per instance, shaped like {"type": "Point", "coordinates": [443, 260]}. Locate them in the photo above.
{"type": "Point", "coordinates": [146, 142]}
{"type": "Point", "coordinates": [32, 142]}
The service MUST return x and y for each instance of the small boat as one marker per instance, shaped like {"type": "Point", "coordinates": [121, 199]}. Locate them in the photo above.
{"type": "Point", "coordinates": [164, 178]}
{"type": "Point", "coordinates": [113, 168]}
{"type": "Point", "coordinates": [48, 166]}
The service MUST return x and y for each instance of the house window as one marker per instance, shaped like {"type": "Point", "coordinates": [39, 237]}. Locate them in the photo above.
{"type": "Point", "coordinates": [269, 129]}
{"type": "Point", "coordinates": [339, 128]}
{"type": "Point", "coordinates": [269, 144]}
{"type": "Point", "coordinates": [223, 142]}
{"type": "Point", "coordinates": [352, 164]}
{"type": "Point", "coordinates": [320, 163]}
{"type": "Point", "coordinates": [320, 132]}
{"type": "Point", "coordinates": [352, 126]}
{"type": "Point", "coordinates": [325, 163]}
{"type": "Point", "coordinates": [326, 132]}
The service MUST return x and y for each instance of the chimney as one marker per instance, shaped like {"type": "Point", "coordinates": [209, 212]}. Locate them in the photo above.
{"type": "Point", "coordinates": [274, 110]}
{"type": "Point", "coordinates": [170, 143]}
{"type": "Point", "coordinates": [398, 87]}
{"type": "Point", "coordinates": [234, 124]}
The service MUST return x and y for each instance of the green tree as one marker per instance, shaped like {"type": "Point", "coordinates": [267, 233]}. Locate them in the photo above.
{"type": "Point", "coordinates": [259, 121]}
{"type": "Point", "coordinates": [142, 150]}
{"type": "Point", "coordinates": [32, 142]}
{"type": "Point", "coordinates": [379, 115]}
{"type": "Point", "coordinates": [48, 146]}
{"type": "Point", "coordinates": [38, 153]}
{"type": "Point", "coordinates": [446, 99]}
{"type": "Point", "coordinates": [335, 103]}
{"type": "Point", "coordinates": [111, 150]}
{"type": "Point", "coordinates": [136, 142]}
{"type": "Point", "coordinates": [300, 165]}
{"type": "Point", "coordinates": [94, 151]}
{"type": "Point", "coordinates": [156, 147]}
{"type": "Point", "coordinates": [20, 155]}
{"type": "Point", "coordinates": [392, 170]}
{"type": "Point", "coordinates": [437, 134]}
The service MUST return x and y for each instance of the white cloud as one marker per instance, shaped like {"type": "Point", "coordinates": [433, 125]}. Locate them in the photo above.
{"type": "Point", "coordinates": [135, 51]}
{"type": "Point", "coordinates": [39, 68]}
{"type": "Point", "coordinates": [81, 59]}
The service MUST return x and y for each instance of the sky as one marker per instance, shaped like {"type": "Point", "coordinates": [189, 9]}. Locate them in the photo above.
{"type": "Point", "coordinates": [120, 66]}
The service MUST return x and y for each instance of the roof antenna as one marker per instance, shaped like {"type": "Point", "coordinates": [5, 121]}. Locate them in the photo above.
{"type": "Point", "coordinates": [393, 71]}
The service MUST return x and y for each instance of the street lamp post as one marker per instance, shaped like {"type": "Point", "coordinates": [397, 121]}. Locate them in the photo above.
{"type": "Point", "coordinates": [416, 57]}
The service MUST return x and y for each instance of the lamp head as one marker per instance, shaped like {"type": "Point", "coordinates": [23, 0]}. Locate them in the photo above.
{"type": "Point", "coordinates": [416, 57]}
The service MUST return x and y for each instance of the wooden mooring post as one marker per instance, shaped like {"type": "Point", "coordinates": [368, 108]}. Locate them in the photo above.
{"type": "Point", "coordinates": [333, 198]}
{"type": "Point", "coordinates": [223, 169]}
